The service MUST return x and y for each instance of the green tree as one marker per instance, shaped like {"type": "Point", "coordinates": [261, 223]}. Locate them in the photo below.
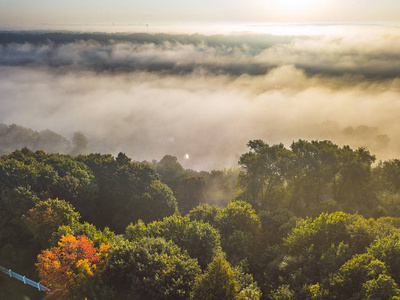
{"type": "Point", "coordinates": [248, 288]}
{"type": "Point", "coordinates": [191, 193]}
{"type": "Point", "coordinates": [328, 229]}
{"type": "Point", "coordinates": [95, 235]}
{"type": "Point", "coordinates": [104, 169]}
{"type": "Point", "coordinates": [316, 248]}
{"type": "Point", "coordinates": [218, 282]}
{"type": "Point", "coordinates": [128, 191]}
{"type": "Point", "coordinates": [238, 215]}
{"type": "Point", "coordinates": [45, 218]}
{"type": "Point", "coordinates": [355, 177]}
{"type": "Point", "coordinates": [305, 176]}
{"type": "Point", "coordinates": [155, 203]}
{"type": "Point", "coordinates": [16, 247]}
{"type": "Point", "coordinates": [283, 292]}
{"type": "Point", "coordinates": [140, 195]}
{"type": "Point", "coordinates": [387, 250]}
{"type": "Point", "coordinates": [240, 230]}
{"type": "Point", "coordinates": [199, 239]}
{"type": "Point", "coordinates": [262, 176]}
{"type": "Point", "coordinates": [276, 225]}
{"type": "Point", "coordinates": [381, 288]}
{"type": "Point", "coordinates": [170, 171]}
{"type": "Point", "coordinates": [312, 168]}
{"type": "Point", "coordinates": [387, 175]}
{"type": "Point", "coordinates": [76, 184]}
{"type": "Point", "coordinates": [358, 279]}
{"type": "Point", "coordinates": [151, 268]}
{"type": "Point", "coordinates": [205, 213]}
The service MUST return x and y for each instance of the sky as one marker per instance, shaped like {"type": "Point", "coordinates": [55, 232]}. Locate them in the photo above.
{"type": "Point", "coordinates": [154, 12]}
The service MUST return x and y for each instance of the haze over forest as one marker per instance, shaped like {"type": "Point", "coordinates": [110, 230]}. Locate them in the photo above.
{"type": "Point", "coordinates": [151, 94]}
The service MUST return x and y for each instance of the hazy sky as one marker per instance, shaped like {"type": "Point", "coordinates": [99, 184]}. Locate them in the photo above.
{"type": "Point", "coordinates": [29, 12]}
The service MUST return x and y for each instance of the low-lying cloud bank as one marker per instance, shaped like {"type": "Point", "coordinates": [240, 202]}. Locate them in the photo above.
{"type": "Point", "coordinates": [206, 96]}
{"type": "Point", "coordinates": [375, 56]}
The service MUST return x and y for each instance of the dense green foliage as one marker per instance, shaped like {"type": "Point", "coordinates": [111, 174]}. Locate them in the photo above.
{"type": "Point", "coordinates": [309, 178]}
{"type": "Point", "coordinates": [46, 217]}
{"type": "Point", "coordinates": [152, 268]}
{"type": "Point", "coordinates": [199, 239]}
{"type": "Point", "coordinates": [127, 191]}
{"type": "Point", "coordinates": [103, 190]}
{"type": "Point", "coordinates": [221, 282]}
{"type": "Point", "coordinates": [316, 221]}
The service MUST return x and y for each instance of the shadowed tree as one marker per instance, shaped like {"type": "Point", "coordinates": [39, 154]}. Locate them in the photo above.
{"type": "Point", "coordinates": [191, 193]}
{"type": "Point", "coordinates": [79, 143]}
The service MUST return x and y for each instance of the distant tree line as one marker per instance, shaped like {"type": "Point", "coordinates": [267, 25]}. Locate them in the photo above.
{"type": "Point", "coordinates": [14, 137]}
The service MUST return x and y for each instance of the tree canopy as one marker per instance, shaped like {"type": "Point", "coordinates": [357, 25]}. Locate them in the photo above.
{"type": "Point", "coordinates": [312, 221]}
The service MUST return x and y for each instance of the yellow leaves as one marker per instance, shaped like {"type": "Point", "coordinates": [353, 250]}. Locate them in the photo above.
{"type": "Point", "coordinates": [67, 239]}
{"type": "Point", "coordinates": [85, 267]}
{"type": "Point", "coordinates": [103, 249]}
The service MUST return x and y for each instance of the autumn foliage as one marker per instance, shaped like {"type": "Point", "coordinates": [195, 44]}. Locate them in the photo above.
{"type": "Point", "coordinates": [74, 267]}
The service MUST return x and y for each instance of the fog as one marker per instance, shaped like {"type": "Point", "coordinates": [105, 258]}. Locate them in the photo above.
{"type": "Point", "coordinates": [205, 96]}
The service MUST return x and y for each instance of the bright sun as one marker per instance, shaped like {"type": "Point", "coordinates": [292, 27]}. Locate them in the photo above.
{"type": "Point", "coordinates": [294, 6]}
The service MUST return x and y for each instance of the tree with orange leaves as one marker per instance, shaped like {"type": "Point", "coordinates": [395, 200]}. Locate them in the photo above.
{"type": "Point", "coordinates": [74, 268]}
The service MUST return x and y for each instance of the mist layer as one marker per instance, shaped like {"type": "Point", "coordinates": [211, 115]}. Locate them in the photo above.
{"type": "Point", "coordinates": [206, 96]}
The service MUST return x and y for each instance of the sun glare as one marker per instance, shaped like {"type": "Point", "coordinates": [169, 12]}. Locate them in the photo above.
{"type": "Point", "coordinates": [294, 10]}
{"type": "Point", "coordinates": [294, 5]}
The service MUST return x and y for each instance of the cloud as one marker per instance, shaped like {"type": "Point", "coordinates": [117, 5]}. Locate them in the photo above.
{"type": "Point", "coordinates": [204, 96]}
{"type": "Point", "coordinates": [372, 56]}
{"type": "Point", "coordinates": [366, 55]}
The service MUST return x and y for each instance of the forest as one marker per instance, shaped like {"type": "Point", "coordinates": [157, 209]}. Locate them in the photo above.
{"type": "Point", "coordinates": [311, 221]}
